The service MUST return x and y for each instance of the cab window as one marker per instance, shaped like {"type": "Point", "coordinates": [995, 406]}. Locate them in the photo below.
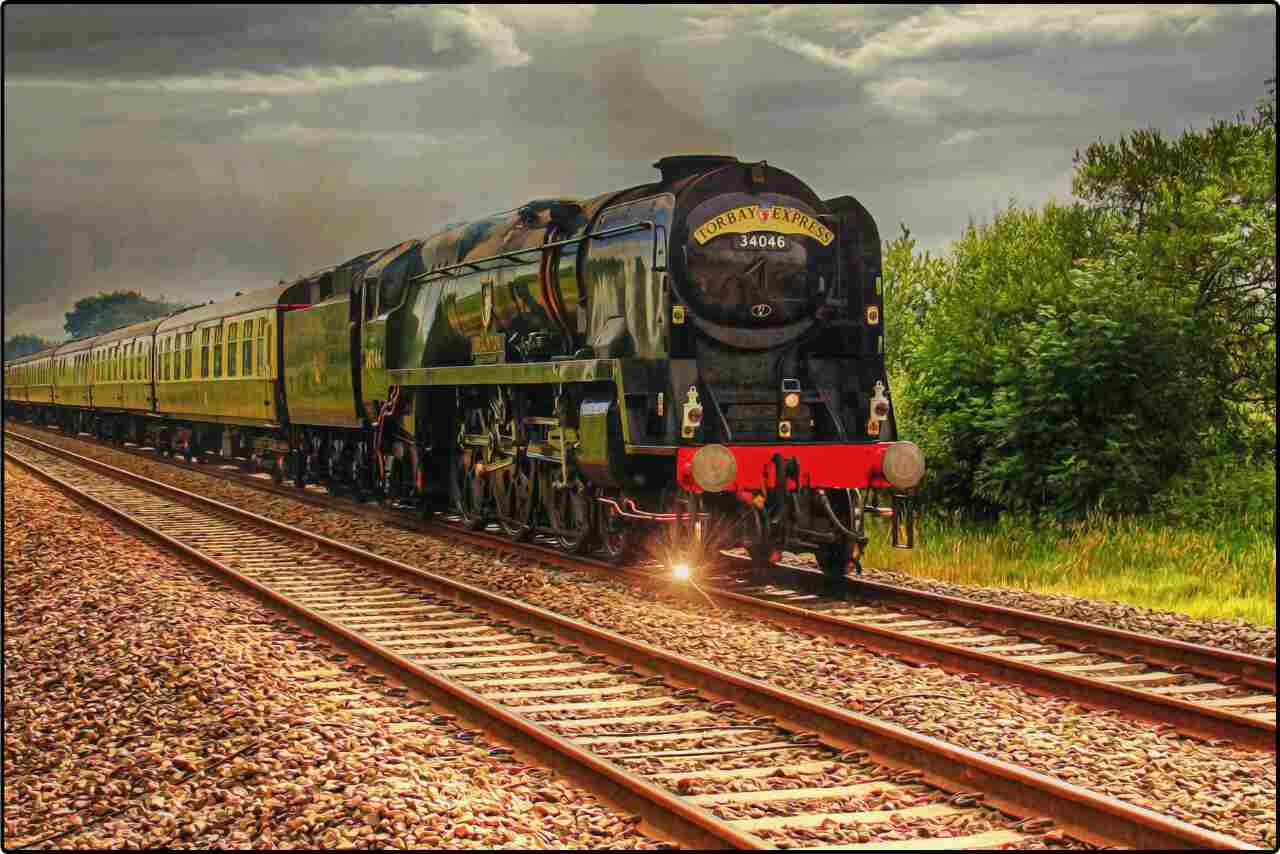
{"type": "Point", "coordinates": [370, 299]}
{"type": "Point", "coordinates": [392, 282]}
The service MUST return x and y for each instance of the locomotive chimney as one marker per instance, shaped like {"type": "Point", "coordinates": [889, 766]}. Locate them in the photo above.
{"type": "Point", "coordinates": [683, 165]}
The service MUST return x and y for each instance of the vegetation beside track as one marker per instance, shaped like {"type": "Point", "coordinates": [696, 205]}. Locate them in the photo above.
{"type": "Point", "coordinates": [1224, 569]}
{"type": "Point", "coordinates": [1094, 385]}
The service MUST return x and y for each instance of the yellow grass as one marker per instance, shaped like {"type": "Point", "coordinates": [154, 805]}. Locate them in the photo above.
{"type": "Point", "coordinates": [1221, 572]}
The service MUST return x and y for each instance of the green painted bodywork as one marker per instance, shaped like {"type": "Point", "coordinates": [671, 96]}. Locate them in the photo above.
{"type": "Point", "coordinates": [224, 400]}
{"type": "Point", "coordinates": [319, 379]}
{"type": "Point", "coordinates": [382, 330]}
{"type": "Point", "coordinates": [615, 304]}
{"type": "Point", "coordinates": [513, 373]}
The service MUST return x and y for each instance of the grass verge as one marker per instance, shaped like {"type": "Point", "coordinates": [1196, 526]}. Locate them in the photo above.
{"type": "Point", "coordinates": [1223, 571]}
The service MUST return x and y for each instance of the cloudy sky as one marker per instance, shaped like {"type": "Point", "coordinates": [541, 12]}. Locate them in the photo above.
{"type": "Point", "coordinates": [192, 151]}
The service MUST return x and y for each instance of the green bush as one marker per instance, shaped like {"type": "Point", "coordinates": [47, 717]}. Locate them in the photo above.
{"type": "Point", "coordinates": [1039, 380]}
{"type": "Point", "coordinates": [1082, 359]}
{"type": "Point", "coordinates": [1222, 491]}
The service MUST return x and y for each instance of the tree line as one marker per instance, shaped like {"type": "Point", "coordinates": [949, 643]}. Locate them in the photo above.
{"type": "Point", "coordinates": [1101, 354]}
{"type": "Point", "coordinates": [95, 315]}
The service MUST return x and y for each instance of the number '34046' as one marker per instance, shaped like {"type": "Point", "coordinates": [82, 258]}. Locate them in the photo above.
{"type": "Point", "coordinates": [762, 241]}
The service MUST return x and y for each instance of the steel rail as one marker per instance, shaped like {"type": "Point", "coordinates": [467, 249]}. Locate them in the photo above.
{"type": "Point", "coordinates": [1017, 791]}
{"type": "Point", "coordinates": [1206, 722]}
{"type": "Point", "coordinates": [1191, 718]}
{"type": "Point", "coordinates": [669, 815]}
{"type": "Point", "coordinates": [1224, 666]}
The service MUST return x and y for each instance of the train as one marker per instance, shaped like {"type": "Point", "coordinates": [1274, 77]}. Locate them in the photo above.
{"type": "Point", "coordinates": [689, 366]}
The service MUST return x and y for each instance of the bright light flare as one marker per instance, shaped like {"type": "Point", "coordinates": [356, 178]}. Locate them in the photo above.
{"type": "Point", "coordinates": [680, 571]}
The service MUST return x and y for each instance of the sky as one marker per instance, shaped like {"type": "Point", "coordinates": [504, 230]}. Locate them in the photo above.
{"type": "Point", "coordinates": [192, 151]}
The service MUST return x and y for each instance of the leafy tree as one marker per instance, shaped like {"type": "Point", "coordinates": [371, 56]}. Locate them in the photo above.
{"type": "Point", "coordinates": [1199, 215]}
{"type": "Point", "coordinates": [107, 311]}
{"type": "Point", "coordinates": [1085, 356]}
{"type": "Point", "coordinates": [21, 345]}
{"type": "Point", "coordinates": [1035, 380]}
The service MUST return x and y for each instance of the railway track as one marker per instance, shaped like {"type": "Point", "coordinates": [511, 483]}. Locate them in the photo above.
{"type": "Point", "coordinates": [1207, 693]}
{"type": "Point", "coordinates": [706, 757]}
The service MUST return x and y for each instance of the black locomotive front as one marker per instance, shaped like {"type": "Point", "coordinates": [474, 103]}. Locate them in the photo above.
{"type": "Point", "coordinates": [779, 411]}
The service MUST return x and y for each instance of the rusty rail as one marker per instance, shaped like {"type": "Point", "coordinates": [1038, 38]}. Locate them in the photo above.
{"type": "Point", "coordinates": [1207, 722]}
{"type": "Point", "coordinates": [1017, 791]}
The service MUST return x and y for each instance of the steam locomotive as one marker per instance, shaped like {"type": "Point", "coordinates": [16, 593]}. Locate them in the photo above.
{"type": "Point", "coordinates": [686, 366]}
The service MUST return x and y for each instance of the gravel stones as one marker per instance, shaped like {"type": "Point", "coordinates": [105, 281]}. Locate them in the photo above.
{"type": "Point", "coordinates": [1215, 786]}
{"type": "Point", "coordinates": [149, 706]}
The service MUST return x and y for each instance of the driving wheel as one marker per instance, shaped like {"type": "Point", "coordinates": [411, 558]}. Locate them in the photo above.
{"type": "Point", "coordinates": [569, 511]}
{"type": "Point", "coordinates": [513, 494]}
{"type": "Point", "coordinates": [470, 492]}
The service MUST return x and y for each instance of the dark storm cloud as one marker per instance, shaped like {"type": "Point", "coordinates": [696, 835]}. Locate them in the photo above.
{"type": "Point", "coordinates": [193, 151]}
{"type": "Point", "coordinates": [139, 42]}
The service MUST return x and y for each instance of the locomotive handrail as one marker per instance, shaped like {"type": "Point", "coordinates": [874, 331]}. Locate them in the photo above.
{"type": "Point", "coordinates": [445, 272]}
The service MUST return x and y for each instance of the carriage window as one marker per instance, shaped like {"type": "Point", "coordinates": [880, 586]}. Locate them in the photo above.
{"type": "Point", "coordinates": [262, 351]}
{"type": "Point", "coordinates": [232, 332]}
{"type": "Point", "coordinates": [247, 365]}
{"type": "Point", "coordinates": [190, 350]}
{"type": "Point", "coordinates": [217, 352]}
{"type": "Point", "coordinates": [270, 326]}
{"type": "Point", "coordinates": [204, 352]}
